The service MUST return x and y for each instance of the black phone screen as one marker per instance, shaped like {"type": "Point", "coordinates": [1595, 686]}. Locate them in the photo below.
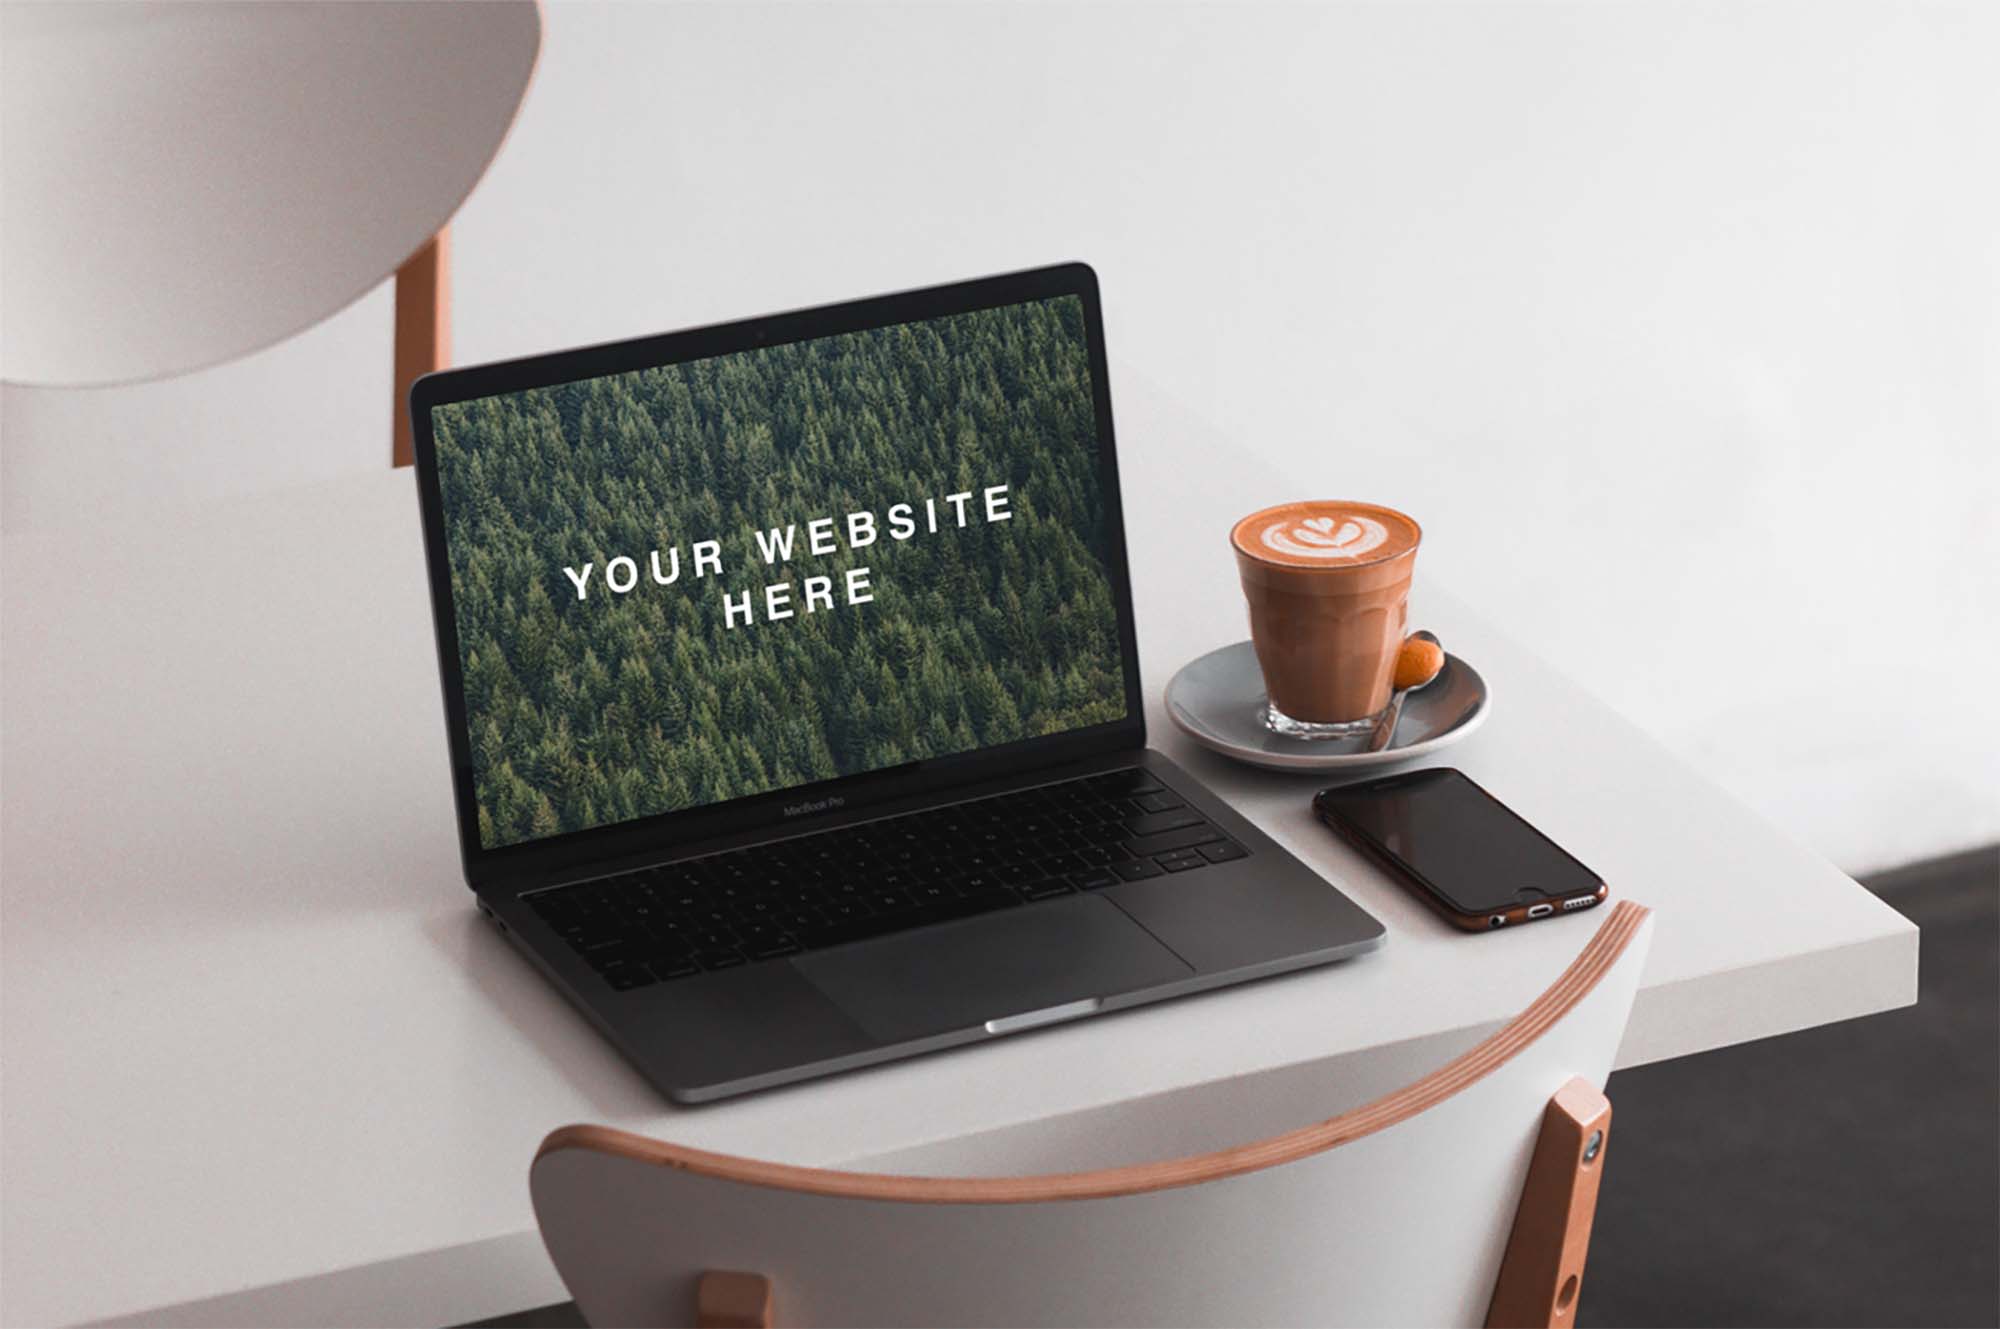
{"type": "Point", "coordinates": [1467, 846]}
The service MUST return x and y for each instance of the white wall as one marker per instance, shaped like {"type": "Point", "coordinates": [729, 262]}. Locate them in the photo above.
{"type": "Point", "coordinates": [1674, 324]}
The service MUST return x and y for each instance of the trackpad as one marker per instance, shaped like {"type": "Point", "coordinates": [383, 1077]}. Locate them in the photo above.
{"type": "Point", "coordinates": [992, 968]}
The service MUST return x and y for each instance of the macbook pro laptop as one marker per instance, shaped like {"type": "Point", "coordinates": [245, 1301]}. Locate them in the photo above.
{"type": "Point", "coordinates": [792, 696]}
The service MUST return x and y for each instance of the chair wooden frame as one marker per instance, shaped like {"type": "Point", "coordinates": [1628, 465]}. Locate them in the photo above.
{"type": "Point", "coordinates": [1543, 1266]}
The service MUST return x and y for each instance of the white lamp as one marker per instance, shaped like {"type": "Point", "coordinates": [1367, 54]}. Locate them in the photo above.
{"type": "Point", "coordinates": [185, 183]}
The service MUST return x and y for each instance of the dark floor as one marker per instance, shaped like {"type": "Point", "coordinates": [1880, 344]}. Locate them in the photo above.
{"type": "Point", "coordinates": [1846, 1175]}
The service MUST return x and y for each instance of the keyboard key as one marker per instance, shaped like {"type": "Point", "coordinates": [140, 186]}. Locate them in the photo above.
{"type": "Point", "coordinates": [1183, 864]}
{"type": "Point", "coordinates": [1138, 869]}
{"type": "Point", "coordinates": [1159, 802]}
{"type": "Point", "coordinates": [1093, 879]}
{"type": "Point", "coordinates": [1152, 823]}
{"type": "Point", "coordinates": [625, 977]}
{"type": "Point", "coordinates": [1043, 890]}
{"type": "Point", "coordinates": [664, 945]}
{"type": "Point", "coordinates": [932, 892]}
{"type": "Point", "coordinates": [1149, 846]}
{"type": "Point", "coordinates": [611, 957]}
{"type": "Point", "coordinates": [1224, 852]}
{"type": "Point", "coordinates": [1124, 782]}
{"type": "Point", "coordinates": [719, 959]}
{"type": "Point", "coordinates": [666, 969]}
{"type": "Point", "coordinates": [974, 902]}
{"type": "Point", "coordinates": [840, 932]}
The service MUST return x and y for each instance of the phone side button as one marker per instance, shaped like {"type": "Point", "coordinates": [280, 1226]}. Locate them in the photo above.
{"type": "Point", "coordinates": [1540, 910]}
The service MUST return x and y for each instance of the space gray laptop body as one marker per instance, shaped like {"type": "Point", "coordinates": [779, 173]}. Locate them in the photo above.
{"type": "Point", "coordinates": [792, 694]}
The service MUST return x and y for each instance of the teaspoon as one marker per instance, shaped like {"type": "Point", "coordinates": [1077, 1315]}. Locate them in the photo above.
{"type": "Point", "coordinates": [1385, 728]}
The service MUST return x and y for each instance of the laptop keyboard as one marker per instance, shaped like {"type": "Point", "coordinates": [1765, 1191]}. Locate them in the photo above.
{"type": "Point", "coordinates": [767, 901]}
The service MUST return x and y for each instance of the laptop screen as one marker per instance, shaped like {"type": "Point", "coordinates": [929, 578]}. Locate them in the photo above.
{"type": "Point", "coordinates": [707, 580]}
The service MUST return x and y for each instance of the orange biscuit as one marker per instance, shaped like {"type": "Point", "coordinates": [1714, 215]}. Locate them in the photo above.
{"type": "Point", "coordinates": [1418, 662]}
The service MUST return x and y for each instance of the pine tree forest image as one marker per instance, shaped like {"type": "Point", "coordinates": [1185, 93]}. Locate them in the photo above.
{"type": "Point", "coordinates": [598, 691]}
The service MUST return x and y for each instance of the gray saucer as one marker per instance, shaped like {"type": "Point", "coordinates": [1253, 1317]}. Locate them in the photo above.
{"type": "Point", "coordinates": [1218, 701]}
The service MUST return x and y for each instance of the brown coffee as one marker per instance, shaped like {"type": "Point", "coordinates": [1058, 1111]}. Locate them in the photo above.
{"type": "Point", "coordinates": [1328, 586]}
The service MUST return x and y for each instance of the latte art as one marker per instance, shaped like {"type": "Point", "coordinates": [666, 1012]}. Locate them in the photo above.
{"type": "Point", "coordinates": [1327, 537]}
{"type": "Point", "coordinates": [1347, 536]}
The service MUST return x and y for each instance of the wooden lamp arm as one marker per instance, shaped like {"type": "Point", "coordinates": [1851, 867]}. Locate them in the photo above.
{"type": "Point", "coordinates": [423, 331]}
{"type": "Point", "coordinates": [1543, 1268]}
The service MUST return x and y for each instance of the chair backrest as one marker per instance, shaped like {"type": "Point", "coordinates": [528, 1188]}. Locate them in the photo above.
{"type": "Point", "coordinates": [1397, 1212]}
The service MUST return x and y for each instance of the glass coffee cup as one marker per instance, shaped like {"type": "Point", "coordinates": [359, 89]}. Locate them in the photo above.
{"type": "Point", "coordinates": [1328, 587]}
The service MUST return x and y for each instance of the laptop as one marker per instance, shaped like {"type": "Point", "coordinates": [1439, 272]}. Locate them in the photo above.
{"type": "Point", "coordinates": [792, 696]}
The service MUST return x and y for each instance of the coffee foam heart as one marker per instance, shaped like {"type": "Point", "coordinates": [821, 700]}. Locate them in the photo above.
{"type": "Point", "coordinates": [1356, 537]}
{"type": "Point", "coordinates": [1326, 534]}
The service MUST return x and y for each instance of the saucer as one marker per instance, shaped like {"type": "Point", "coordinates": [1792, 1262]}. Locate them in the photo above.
{"type": "Point", "coordinates": [1218, 701]}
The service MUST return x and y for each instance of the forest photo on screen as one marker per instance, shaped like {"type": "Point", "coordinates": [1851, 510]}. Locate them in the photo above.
{"type": "Point", "coordinates": [691, 583]}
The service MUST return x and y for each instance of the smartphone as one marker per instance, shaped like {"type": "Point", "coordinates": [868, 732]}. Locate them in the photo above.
{"type": "Point", "coordinates": [1464, 852]}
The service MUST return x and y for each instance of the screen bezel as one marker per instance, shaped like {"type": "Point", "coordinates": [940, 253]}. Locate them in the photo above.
{"type": "Point", "coordinates": [562, 855]}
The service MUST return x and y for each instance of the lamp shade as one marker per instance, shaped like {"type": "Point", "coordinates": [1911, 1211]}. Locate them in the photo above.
{"type": "Point", "coordinates": [182, 184]}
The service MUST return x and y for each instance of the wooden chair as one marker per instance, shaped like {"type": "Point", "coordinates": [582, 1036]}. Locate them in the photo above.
{"type": "Point", "coordinates": [1464, 1197]}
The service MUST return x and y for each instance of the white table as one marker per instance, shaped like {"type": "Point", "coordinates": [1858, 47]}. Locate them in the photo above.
{"type": "Point", "coordinates": [264, 1064]}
